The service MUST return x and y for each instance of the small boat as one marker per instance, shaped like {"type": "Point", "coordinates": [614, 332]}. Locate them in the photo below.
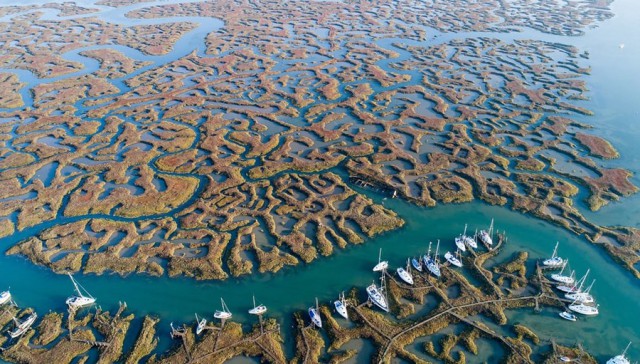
{"type": "Point", "coordinates": [568, 316]}
{"type": "Point", "coordinates": [80, 300]}
{"type": "Point", "coordinates": [559, 277]}
{"type": "Point", "coordinates": [485, 235]}
{"type": "Point", "coordinates": [460, 243]}
{"type": "Point", "coordinates": [257, 310]}
{"type": "Point", "coordinates": [582, 297]}
{"type": "Point", "coordinates": [375, 295]}
{"type": "Point", "coordinates": [566, 359]}
{"type": "Point", "coordinates": [224, 313]}
{"type": "Point", "coordinates": [555, 261]}
{"type": "Point", "coordinates": [416, 264]}
{"type": "Point", "coordinates": [5, 297]}
{"type": "Point", "coordinates": [341, 306]}
{"type": "Point", "coordinates": [620, 359]}
{"type": "Point", "coordinates": [382, 265]}
{"type": "Point", "coordinates": [405, 274]}
{"type": "Point", "coordinates": [201, 324]}
{"type": "Point", "coordinates": [23, 326]}
{"type": "Point", "coordinates": [453, 259]}
{"type": "Point", "coordinates": [584, 309]}
{"type": "Point", "coordinates": [314, 314]}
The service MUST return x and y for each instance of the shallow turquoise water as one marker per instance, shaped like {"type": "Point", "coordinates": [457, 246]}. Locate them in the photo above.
{"type": "Point", "coordinates": [614, 98]}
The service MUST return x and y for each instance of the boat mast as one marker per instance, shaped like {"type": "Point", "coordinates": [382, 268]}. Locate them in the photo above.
{"type": "Point", "coordinates": [491, 229]}
{"type": "Point", "coordinates": [555, 250]}
{"type": "Point", "coordinates": [380, 256]}
{"type": "Point", "coordinates": [625, 349]}
{"type": "Point", "coordinates": [75, 285]}
{"type": "Point", "coordinates": [591, 285]}
{"type": "Point", "coordinates": [429, 251]}
{"type": "Point", "coordinates": [465, 230]}
{"type": "Point", "coordinates": [435, 258]}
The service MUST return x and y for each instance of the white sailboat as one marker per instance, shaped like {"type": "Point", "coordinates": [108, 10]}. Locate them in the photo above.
{"type": "Point", "coordinates": [460, 240]}
{"type": "Point", "coordinates": [376, 296]}
{"type": "Point", "coordinates": [80, 300]}
{"type": "Point", "coordinates": [382, 265]}
{"type": "Point", "coordinates": [584, 309]}
{"type": "Point", "coordinates": [405, 274]}
{"type": "Point", "coordinates": [416, 264]}
{"type": "Point", "coordinates": [257, 310]}
{"type": "Point", "coordinates": [5, 297]}
{"type": "Point", "coordinates": [341, 306]}
{"type": "Point", "coordinates": [555, 261]}
{"type": "Point", "coordinates": [582, 297]}
{"type": "Point", "coordinates": [453, 259]}
{"type": "Point", "coordinates": [432, 263]}
{"type": "Point", "coordinates": [22, 326]}
{"type": "Point", "coordinates": [620, 359]}
{"type": "Point", "coordinates": [471, 241]}
{"type": "Point", "coordinates": [576, 286]}
{"type": "Point", "coordinates": [485, 236]}
{"type": "Point", "coordinates": [559, 277]}
{"type": "Point", "coordinates": [224, 313]}
{"type": "Point", "coordinates": [568, 316]}
{"type": "Point", "coordinates": [314, 314]}
{"type": "Point", "coordinates": [202, 323]}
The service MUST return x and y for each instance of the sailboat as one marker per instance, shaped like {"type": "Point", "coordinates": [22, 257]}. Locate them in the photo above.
{"type": "Point", "coordinates": [5, 297]}
{"type": "Point", "coordinates": [460, 240]}
{"type": "Point", "coordinates": [555, 261]}
{"type": "Point", "coordinates": [620, 359]}
{"type": "Point", "coordinates": [582, 297]}
{"type": "Point", "coordinates": [568, 316]}
{"type": "Point", "coordinates": [225, 313]}
{"type": "Point", "coordinates": [341, 306]}
{"type": "Point", "coordinates": [584, 309]}
{"type": "Point", "coordinates": [257, 310]}
{"type": "Point", "coordinates": [576, 286]}
{"type": "Point", "coordinates": [23, 326]}
{"type": "Point", "coordinates": [485, 236]}
{"type": "Point", "coordinates": [382, 265]}
{"type": "Point", "coordinates": [314, 314]}
{"type": "Point", "coordinates": [201, 324]}
{"type": "Point", "coordinates": [432, 263]}
{"type": "Point", "coordinates": [416, 264]}
{"type": "Point", "coordinates": [375, 295]}
{"type": "Point", "coordinates": [80, 300]}
{"type": "Point", "coordinates": [453, 259]}
{"type": "Point", "coordinates": [405, 274]}
{"type": "Point", "coordinates": [471, 241]}
{"type": "Point", "coordinates": [559, 277]}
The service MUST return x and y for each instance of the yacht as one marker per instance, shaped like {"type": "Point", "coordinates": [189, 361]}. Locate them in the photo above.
{"type": "Point", "coordinates": [559, 277]}
{"type": "Point", "coordinates": [224, 313]}
{"type": "Point", "coordinates": [5, 297]}
{"type": "Point", "coordinates": [405, 274]}
{"type": "Point", "coordinates": [555, 261]}
{"type": "Point", "coordinates": [201, 324]}
{"type": "Point", "coordinates": [453, 259]}
{"type": "Point", "coordinates": [620, 359]}
{"type": "Point", "coordinates": [584, 309]}
{"type": "Point", "coordinates": [341, 306]}
{"type": "Point", "coordinates": [375, 295]}
{"type": "Point", "coordinates": [471, 241]}
{"type": "Point", "coordinates": [382, 265]}
{"type": "Point", "coordinates": [582, 297]}
{"type": "Point", "coordinates": [460, 243]}
{"type": "Point", "coordinates": [416, 264]}
{"type": "Point", "coordinates": [576, 286]}
{"type": "Point", "coordinates": [80, 300]}
{"type": "Point", "coordinates": [432, 263]}
{"type": "Point", "coordinates": [568, 316]}
{"type": "Point", "coordinates": [485, 235]}
{"type": "Point", "coordinates": [23, 326]}
{"type": "Point", "coordinates": [257, 310]}
{"type": "Point", "coordinates": [314, 314]}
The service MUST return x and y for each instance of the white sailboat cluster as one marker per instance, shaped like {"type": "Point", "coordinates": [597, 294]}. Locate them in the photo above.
{"type": "Point", "coordinates": [582, 301]}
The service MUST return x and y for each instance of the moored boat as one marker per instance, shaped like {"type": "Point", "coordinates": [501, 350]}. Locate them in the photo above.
{"type": "Point", "coordinates": [341, 306]}
{"type": "Point", "coordinates": [416, 264]}
{"type": "Point", "coordinates": [202, 323]}
{"type": "Point", "coordinates": [257, 310]}
{"type": "Point", "coordinates": [314, 315]}
{"type": "Point", "coordinates": [5, 297]}
{"type": "Point", "coordinates": [224, 313]}
{"type": "Point", "coordinates": [80, 300]}
{"type": "Point", "coordinates": [405, 274]}
{"type": "Point", "coordinates": [23, 326]}
{"type": "Point", "coordinates": [584, 309]}
{"type": "Point", "coordinates": [453, 259]}
{"type": "Point", "coordinates": [376, 296]}
{"type": "Point", "coordinates": [432, 262]}
{"type": "Point", "coordinates": [559, 277]}
{"type": "Point", "coordinates": [581, 297]}
{"type": "Point", "coordinates": [568, 316]}
{"type": "Point", "coordinates": [555, 261]}
{"type": "Point", "coordinates": [620, 359]}
{"type": "Point", "coordinates": [485, 235]}
{"type": "Point", "coordinates": [382, 265]}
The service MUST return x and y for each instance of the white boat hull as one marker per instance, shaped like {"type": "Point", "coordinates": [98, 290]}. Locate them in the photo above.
{"type": "Point", "coordinates": [452, 259]}
{"type": "Point", "coordinates": [341, 308]}
{"type": "Point", "coordinates": [5, 297]}
{"type": "Point", "coordinates": [405, 276]}
{"type": "Point", "coordinates": [484, 236]}
{"type": "Point", "coordinates": [258, 310]}
{"type": "Point", "coordinates": [222, 315]}
{"type": "Point", "coordinates": [78, 302]}
{"type": "Point", "coordinates": [563, 279]}
{"type": "Point", "coordinates": [582, 297]}
{"type": "Point", "coordinates": [584, 309]}
{"type": "Point", "coordinates": [381, 266]}
{"type": "Point", "coordinates": [460, 244]}
{"type": "Point", "coordinates": [315, 317]}
{"type": "Point", "coordinates": [377, 298]}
